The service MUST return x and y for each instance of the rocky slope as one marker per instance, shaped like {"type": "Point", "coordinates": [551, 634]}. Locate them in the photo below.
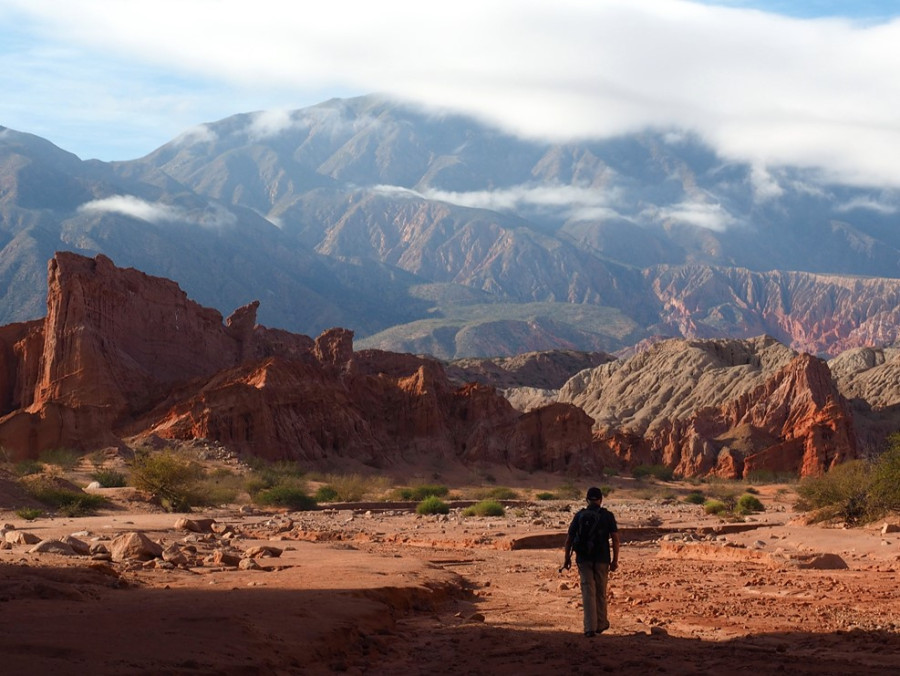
{"type": "Point", "coordinates": [723, 407]}
{"type": "Point", "coordinates": [546, 370]}
{"type": "Point", "coordinates": [123, 354]}
{"type": "Point", "coordinates": [870, 379]}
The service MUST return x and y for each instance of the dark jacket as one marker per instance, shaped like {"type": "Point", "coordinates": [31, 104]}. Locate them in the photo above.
{"type": "Point", "coordinates": [607, 527]}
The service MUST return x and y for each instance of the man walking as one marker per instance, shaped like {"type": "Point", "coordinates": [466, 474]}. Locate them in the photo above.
{"type": "Point", "coordinates": [589, 536]}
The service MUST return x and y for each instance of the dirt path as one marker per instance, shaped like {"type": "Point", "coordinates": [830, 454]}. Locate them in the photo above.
{"type": "Point", "coordinates": [385, 592]}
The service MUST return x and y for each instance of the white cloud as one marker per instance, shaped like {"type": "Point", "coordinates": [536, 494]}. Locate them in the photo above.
{"type": "Point", "coordinates": [868, 204]}
{"type": "Point", "coordinates": [269, 123]}
{"type": "Point", "coordinates": [200, 133]}
{"type": "Point", "coordinates": [127, 205]}
{"type": "Point", "coordinates": [700, 214]}
{"type": "Point", "coordinates": [213, 216]}
{"type": "Point", "coordinates": [760, 87]}
{"type": "Point", "coordinates": [572, 198]}
{"type": "Point", "coordinates": [765, 186]}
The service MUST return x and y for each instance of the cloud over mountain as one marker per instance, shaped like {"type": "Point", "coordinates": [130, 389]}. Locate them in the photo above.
{"type": "Point", "coordinates": [763, 88]}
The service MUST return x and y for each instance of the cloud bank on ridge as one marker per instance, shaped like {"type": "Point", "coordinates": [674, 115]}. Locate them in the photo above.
{"type": "Point", "coordinates": [760, 87]}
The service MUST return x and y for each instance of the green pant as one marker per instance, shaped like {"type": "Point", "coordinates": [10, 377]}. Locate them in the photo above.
{"type": "Point", "coordinates": [594, 577]}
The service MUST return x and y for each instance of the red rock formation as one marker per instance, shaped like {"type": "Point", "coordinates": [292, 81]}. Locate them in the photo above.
{"type": "Point", "coordinates": [796, 422]}
{"type": "Point", "coordinates": [122, 354]}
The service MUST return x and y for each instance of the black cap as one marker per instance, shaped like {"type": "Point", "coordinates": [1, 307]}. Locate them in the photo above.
{"type": "Point", "coordinates": [594, 493]}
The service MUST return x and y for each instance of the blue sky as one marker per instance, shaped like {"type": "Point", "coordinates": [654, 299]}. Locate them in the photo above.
{"type": "Point", "coordinates": [811, 83]}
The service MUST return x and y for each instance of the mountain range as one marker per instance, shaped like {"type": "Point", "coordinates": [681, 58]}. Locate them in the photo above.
{"type": "Point", "coordinates": [429, 232]}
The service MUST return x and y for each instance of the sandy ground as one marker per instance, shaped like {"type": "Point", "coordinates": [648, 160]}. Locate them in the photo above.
{"type": "Point", "coordinates": [374, 589]}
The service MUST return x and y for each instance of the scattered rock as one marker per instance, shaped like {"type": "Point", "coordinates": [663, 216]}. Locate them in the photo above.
{"type": "Point", "coordinates": [262, 551]}
{"type": "Point", "coordinates": [134, 547]}
{"type": "Point", "coordinates": [195, 525]}
{"type": "Point", "coordinates": [80, 547]}
{"type": "Point", "coordinates": [249, 564]}
{"type": "Point", "coordinates": [21, 537]}
{"type": "Point", "coordinates": [52, 547]}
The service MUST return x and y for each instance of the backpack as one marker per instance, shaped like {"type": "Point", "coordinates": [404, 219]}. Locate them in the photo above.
{"type": "Point", "coordinates": [589, 533]}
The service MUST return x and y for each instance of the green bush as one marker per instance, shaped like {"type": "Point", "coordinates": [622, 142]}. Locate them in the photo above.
{"type": "Point", "coordinates": [485, 508]}
{"type": "Point", "coordinates": [28, 467]}
{"type": "Point", "coordinates": [748, 503]}
{"type": "Point", "coordinates": [216, 488]}
{"type": "Point", "coordinates": [842, 492]}
{"type": "Point", "coordinates": [173, 479]}
{"type": "Point", "coordinates": [884, 493]}
{"type": "Point", "coordinates": [29, 513]}
{"type": "Point", "coordinates": [569, 491]}
{"type": "Point", "coordinates": [353, 487]}
{"type": "Point", "coordinates": [765, 476]}
{"type": "Point", "coordinates": [286, 494]}
{"type": "Point", "coordinates": [66, 458]}
{"type": "Point", "coordinates": [659, 472]}
{"type": "Point", "coordinates": [422, 491]}
{"type": "Point", "coordinates": [66, 501]}
{"type": "Point", "coordinates": [714, 507]}
{"type": "Point", "coordinates": [326, 494]}
{"type": "Point", "coordinates": [695, 498]}
{"type": "Point", "coordinates": [432, 505]}
{"type": "Point", "coordinates": [544, 495]}
{"type": "Point", "coordinates": [495, 493]}
{"type": "Point", "coordinates": [110, 478]}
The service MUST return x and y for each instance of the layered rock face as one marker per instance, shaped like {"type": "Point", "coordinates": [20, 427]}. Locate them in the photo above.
{"type": "Point", "coordinates": [543, 370]}
{"type": "Point", "coordinates": [122, 354]}
{"type": "Point", "coordinates": [723, 407]}
{"type": "Point", "coordinates": [870, 379]}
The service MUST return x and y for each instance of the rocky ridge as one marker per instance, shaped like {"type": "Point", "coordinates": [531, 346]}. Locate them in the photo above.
{"type": "Point", "coordinates": [123, 355]}
{"type": "Point", "coordinates": [724, 407]}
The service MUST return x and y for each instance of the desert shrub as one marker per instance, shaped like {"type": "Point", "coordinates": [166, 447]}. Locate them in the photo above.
{"type": "Point", "coordinates": [857, 491]}
{"type": "Point", "coordinates": [432, 505]}
{"type": "Point", "coordinates": [485, 508]}
{"type": "Point", "coordinates": [695, 498]}
{"type": "Point", "coordinates": [28, 467]}
{"type": "Point", "coordinates": [659, 472]}
{"type": "Point", "coordinates": [884, 492]}
{"type": "Point", "coordinates": [354, 487]}
{"type": "Point", "coordinates": [286, 494]}
{"type": "Point", "coordinates": [64, 458]}
{"type": "Point", "coordinates": [66, 501]}
{"type": "Point", "coordinates": [216, 488]}
{"type": "Point", "coordinates": [422, 491]}
{"type": "Point", "coordinates": [569, 491]}
{"type": "Point", "coordinates": [714, 507]}
{"type": "Point", "coordinates": [747, 504]}
{"type": "Point", "coordinates": [752, 490]}
{"type": "Point", "coordinates": [841, 492]}
{"type": "Point", "coordinates": [173, 479]}
{"type": "Point", "coordinates": [327, 493]}
{"type": "Point", "coordinates": [767, 476]}
{"type": "Point", "coordinates": [545, 495]}
{"type": "Point", "coordinates": [724, 493]}
{"type": "Point", "coordinates": [110, 478]}
{"type": "Point", "coordinates": [495, 493]}
{"type": "Point", "coordinates": [29, 513]}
